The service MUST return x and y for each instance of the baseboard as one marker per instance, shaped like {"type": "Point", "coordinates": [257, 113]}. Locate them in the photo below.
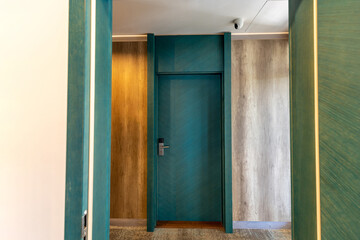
{"type": "Point", "coordinates": [189, 224]}
{"type": "Point", "coordinates": [261, 225]}
{"type": "Point", "coordinates": [127, 222]}
{"type": "Point", "coordinates": [131, 222]}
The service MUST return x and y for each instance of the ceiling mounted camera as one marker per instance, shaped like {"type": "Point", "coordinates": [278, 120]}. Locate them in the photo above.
{"type": "Point", "coordinates": [238, 23]}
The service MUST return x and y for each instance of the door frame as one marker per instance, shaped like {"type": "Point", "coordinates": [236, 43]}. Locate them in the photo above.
{"type": "Point", "coordinates": [78, 100]}
{"type": "Point", "coordinates": [226, 171]}
{"type": "Point", "coordinates": [79, 115]}
{"type": "Point", "coordinates": [301, 210]}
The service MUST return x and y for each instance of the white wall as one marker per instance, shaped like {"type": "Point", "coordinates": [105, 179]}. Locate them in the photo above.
{"type": "Point", "coordinates": [33, 100]}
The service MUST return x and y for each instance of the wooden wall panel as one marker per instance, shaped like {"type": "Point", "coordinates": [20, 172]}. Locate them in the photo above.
{"type": "Point", "coordinates": [129, 130]}
{"type": "Point", "coordinates": [339, 118]}
{"type": "Point", "coordinates": [261, 130]}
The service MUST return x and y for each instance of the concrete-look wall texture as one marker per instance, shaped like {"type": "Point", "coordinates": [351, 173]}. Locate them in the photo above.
{"type": "Point", "coordinates": [33, 93]}
{"type": "Point", "coordinates": [261, 130]}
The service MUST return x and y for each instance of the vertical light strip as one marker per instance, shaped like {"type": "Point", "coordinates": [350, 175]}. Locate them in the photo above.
{"type": "Point", "coordinates": [92, 111]}
{"type": "Point", "coordinates": [316, 108]}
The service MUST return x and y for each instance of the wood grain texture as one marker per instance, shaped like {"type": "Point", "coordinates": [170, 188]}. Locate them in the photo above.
{"type": "Point", "coordinates": [302, 119]}
{"type": "Point", "coordinates": [261, 131]}
{"type": "Point", "coordinates": [276, 54]}
{"type": "Point", "coordinates": [339, 118]}
{"type": "Point", "coordinates": [129, 130]}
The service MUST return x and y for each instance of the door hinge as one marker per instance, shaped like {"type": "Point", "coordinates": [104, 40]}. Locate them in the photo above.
{"type": "Point", "coordinates": [84, 228]}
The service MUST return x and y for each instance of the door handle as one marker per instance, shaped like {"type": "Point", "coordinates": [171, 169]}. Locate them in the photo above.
{"type": "Point", "coordinates": [161, 147]}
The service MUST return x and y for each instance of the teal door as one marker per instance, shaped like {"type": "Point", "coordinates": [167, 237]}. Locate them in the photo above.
{"type": "Point", "coordinates": [189, 172]}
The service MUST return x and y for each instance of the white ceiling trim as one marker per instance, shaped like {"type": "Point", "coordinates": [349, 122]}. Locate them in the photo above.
{"type": "Point", "coordinates": [267, 35]}
{"type": "Point", "coordinates": [129, 38]}
{"type": "Point", "coordinates": [234, 36]}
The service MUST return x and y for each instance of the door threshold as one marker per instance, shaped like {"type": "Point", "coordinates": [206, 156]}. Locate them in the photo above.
{"type": "Point", "coordinates": [189, 224]}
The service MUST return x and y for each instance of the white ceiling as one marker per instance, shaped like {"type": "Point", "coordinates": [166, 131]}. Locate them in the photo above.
{"type": "Point", "coordinates": [164, 17]}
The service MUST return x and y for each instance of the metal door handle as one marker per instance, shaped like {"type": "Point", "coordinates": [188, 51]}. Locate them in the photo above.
{"type": "Point", "coordinates": [162, 146]}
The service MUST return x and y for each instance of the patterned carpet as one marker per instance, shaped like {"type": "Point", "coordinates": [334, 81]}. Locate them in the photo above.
{"type": "Point", "coordinates": [117, 233]}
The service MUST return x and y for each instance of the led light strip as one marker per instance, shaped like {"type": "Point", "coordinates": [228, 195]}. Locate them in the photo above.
{"type": "Point", "coordinates": [316, 109]}
{"type": "Point", "coordinates": [91, 125]}
{"type": "Point", "coordinates": [142, 37]}
{"type": "Point", "coordinates": [255, 34]}
{"type": "Point", "coordinates": [127, 38]}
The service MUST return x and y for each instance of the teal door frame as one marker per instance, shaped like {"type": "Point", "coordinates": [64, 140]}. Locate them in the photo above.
{"type": "Point", "coordinates": [77, 121]}
{"type": "Point", "coordinates": [78, 115]}
{"type": "Point", "coordinates": [153, 130]}
{"type": "Point", "coordinates": [78, 110]}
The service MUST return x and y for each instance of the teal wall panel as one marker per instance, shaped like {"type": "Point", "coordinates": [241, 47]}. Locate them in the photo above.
{"type": "Point", "coordinates": [151, 135]}
{"type": "Point", "coordinates": [102, 120]}
{"type": "Point", "coordinates": [189, 173]}
{"type": "Point", "coordinates": [302, 122]}
{"type": "Point", "coordinates": [195, 53]}
{"type": "Point", "coordinates": [77, 143]}
{"type": "Point", "coordinates": [87, 108]}
{"type": "Point", "coordinates": [227, 139]}
{"type": "Point", "coordinates": [339, 118]}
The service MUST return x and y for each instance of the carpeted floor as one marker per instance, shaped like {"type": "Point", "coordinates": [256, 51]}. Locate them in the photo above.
{"type": "Point", "coordinates": [117, 233]}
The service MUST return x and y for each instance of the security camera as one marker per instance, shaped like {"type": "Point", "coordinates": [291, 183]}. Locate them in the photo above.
{"type": "Point", "coordinates": [238, 23]}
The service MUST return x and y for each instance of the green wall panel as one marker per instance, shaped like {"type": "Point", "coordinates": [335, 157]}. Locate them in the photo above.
{"type": "Point", "coordinates": [227, 139]}
{"type": "Point", "coordinates": [339, 118]}
{"type": "Point", "coordinates": [302, 123]}
{"type": "Point", "coordinates": [189, 53]}
{"type": "Point", "coordinates": [77, 142]}
{"type": "Point", "coordinates": [102, 120]}
{"type": "Point", "coordinates": [151, 134]}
